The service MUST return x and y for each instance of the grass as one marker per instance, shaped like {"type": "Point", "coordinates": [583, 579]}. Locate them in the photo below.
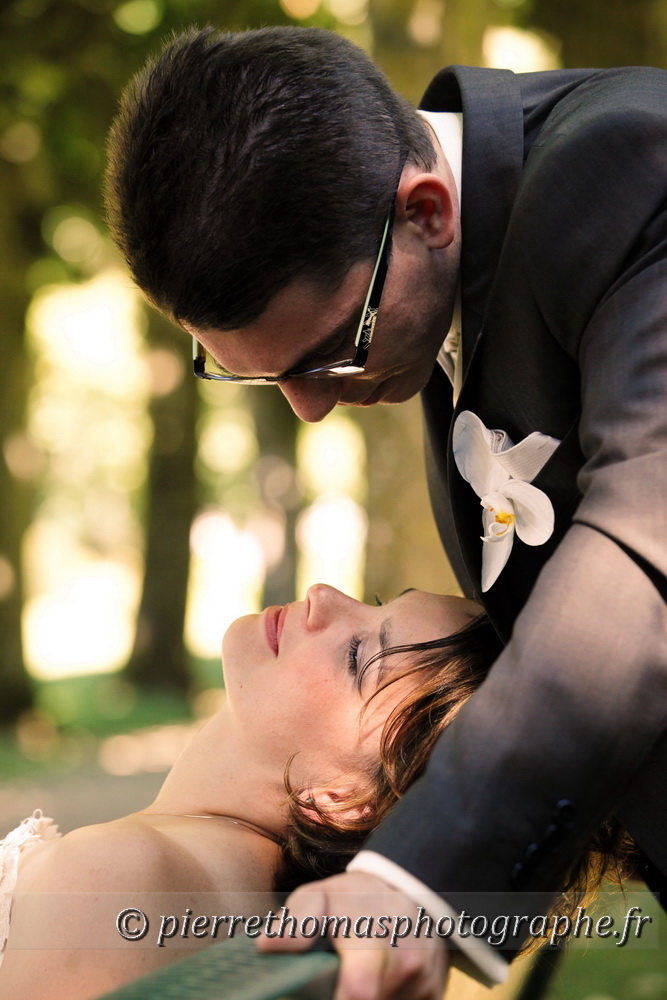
{"type": "Point", "coordinates": [72, 715]}
{"type": "Point", "coordinates": [604, 971]}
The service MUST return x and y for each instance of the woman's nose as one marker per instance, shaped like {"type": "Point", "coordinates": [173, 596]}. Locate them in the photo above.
{"type": "Point", "coordinates": [326, 604]}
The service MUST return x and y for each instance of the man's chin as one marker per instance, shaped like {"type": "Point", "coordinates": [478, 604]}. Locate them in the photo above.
{"type": "Point", "coordinates": [391, 391]}
{"type": "Point", "coordinates": [379, 395]}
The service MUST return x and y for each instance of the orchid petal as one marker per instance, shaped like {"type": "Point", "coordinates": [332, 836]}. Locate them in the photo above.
{"type": "Point", "coordinates": [471, 443]}
{"type": "Point", "coordinates": [496, 531]}
{"type": "Point", "coordinates": [498, 516]}
{"type": "Point", "coordinates": [497, 501]}
{"type": "Point", "coordinates": [500, 473]}
{"type": "Point", "coordinates": [534, 512]}
{"type": "Point", "coordinates": [494, 556]}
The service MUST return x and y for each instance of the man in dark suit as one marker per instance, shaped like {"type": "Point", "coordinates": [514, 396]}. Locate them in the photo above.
{"type": "Point", "coordinates": [529, 264]}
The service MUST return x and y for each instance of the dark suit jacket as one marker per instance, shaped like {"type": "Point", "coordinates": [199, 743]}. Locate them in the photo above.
{"type": "Point", "coordinates": [564, 298]}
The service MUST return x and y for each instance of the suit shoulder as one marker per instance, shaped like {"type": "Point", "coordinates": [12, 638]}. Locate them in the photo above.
{"type": "Point", "coordinates": [600, 156]}
{"type": "Point", "coordinates": [590, 208]}
{"type": "Point", "coordinates": [609, 105]}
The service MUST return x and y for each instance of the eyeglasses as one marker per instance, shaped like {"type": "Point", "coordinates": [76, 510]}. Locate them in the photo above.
{"type": "Point", "coordinates": [350, 366]}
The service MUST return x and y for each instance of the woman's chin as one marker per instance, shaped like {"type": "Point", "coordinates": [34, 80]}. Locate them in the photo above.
{"type": "Point", "coordinates": [241, 637]}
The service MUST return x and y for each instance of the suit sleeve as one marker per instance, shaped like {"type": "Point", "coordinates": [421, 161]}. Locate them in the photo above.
{"type": "Point", "coordinates": [543, 752]}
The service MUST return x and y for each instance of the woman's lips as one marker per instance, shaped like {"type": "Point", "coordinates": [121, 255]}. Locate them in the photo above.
{"type": "Point", "coordinates": [273, 626]}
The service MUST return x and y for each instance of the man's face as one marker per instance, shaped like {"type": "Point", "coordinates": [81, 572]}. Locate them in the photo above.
{"type": "Point", "coordinates": [305, 326]}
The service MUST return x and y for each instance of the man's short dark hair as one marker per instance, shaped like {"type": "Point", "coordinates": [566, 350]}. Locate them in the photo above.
{"type": "Point", "coordinates": [239, 161]}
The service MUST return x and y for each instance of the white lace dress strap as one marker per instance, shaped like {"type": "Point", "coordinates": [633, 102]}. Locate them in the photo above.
{"type": "Point", "coordinates": [32, 830]}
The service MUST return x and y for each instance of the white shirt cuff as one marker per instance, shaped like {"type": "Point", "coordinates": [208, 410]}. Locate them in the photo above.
{"type": "Point", "coordinates": [488, 966]}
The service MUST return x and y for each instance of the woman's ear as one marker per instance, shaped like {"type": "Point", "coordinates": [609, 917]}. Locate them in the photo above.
{"type": "Point", "coordinates": [344, 801]}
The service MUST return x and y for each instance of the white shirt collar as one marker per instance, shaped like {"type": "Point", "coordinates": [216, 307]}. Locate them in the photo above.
{"type": "Point", "coordinates": [448, 129]}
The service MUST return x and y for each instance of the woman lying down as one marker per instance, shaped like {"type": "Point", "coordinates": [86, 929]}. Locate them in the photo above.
{"type": "Point", "coordinates": [332, 708]}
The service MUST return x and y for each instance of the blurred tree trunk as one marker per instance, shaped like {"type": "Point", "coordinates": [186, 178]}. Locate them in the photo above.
{"type": "Point", "coordinates": [403, 548]}
{"type": "Point", "coordinates": [606, 32]}
{"type": "Point", "coordinates": [414, 39]}
{"type": "Point", "coordinates": [62, 67]}
{"type": "Point", "coordinates": [276, 427]}
{"type": "Point", "coordinates": [159, 658]}
{"type": "Point", "coordinates": [403, 544]}
{"type": "Point", "coordinates": [15, 493]}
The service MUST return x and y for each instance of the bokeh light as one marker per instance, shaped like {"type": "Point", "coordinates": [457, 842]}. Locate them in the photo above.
{"type": "Point", "coordinates": [76, 240]}
{"type": "Point", "coordinates": [352, 12]}
{"type": "Point", "coordinates": [90, 333]}
{"type": "Point", "coordinates": [227, 440]}
{"type": "Point", "coordinates": [226, 578]}
{"type": "Point", "coordinates": [519, 50]}
{"type": "Point", "coordinates": [7, 578]}
{"type": "Point", "coordinates": [154, 748]}
{"type": "Point", "coordinates": [87, 436]}
{"type": "Point", "coordinates": [331, 532]}
{"type": "Point", "coordinates": [138, 16]}
{"type": "Point", "coordinates": [300, 9]}
{"type": "Point", "coordinates": [20, 142]}
{"type": "Point", "coordinates": [332, 457]}
{"type": "Point", "coordinates": [85, 624]}
{"type": "Point", "coordinates": [332, 538]}
{"type": "Point", "coordinates": [166, 371]}
{"type": "Point", "coordinates": [425, 22]}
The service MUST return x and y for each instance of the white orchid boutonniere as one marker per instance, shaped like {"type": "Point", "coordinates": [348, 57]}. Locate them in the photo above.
{"type": "Point", "coordinates": [500, 473]}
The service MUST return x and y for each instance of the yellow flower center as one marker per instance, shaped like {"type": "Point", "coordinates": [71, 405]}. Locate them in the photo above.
{"type": "Point", "coordinates": [504, 517]}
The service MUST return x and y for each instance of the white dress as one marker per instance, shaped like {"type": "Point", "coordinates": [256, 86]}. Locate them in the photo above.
{"type": "Point", "coordinates": [32, 830]}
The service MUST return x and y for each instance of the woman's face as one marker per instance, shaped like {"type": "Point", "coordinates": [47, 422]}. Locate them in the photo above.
{"type": "Point", "coordinates": [296, 685]}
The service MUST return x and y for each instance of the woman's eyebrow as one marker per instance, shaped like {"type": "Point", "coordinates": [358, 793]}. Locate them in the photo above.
{"type": "Point", "coordinates": [384, 637]}
{"type": "Point", "coordinates": [385, 634]}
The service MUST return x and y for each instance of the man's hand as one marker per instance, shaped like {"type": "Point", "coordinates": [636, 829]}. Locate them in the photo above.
{"type": "Point", "coordinates": [381, 958]}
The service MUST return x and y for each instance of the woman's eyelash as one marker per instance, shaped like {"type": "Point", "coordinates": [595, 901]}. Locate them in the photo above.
{"type": "Point", "coordinates": [378, 600]}
{"type": "Point", "coordinates": [352, 655]}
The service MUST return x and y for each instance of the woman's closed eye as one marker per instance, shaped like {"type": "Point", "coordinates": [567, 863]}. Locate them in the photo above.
{"type": "Point", "coordinates": [353, 655]}
{"type": "Point", "coordinates": [355, 667]}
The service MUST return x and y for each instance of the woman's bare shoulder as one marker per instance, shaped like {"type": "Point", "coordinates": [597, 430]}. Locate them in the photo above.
{"type": "Point", "coordinates": [111, 901]}
{"type": "Point", "coordinates": [134, 854]}
{"type": "Point", "coordinates": [104, 857]}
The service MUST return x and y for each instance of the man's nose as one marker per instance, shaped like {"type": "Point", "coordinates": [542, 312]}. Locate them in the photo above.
{"type": "Point", "coordinates": [312, 399]}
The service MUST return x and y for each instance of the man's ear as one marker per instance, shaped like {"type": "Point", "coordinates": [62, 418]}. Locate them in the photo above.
{"type": "Point", "coordinates": [426, 201]}
{"type": "Point", "coordinates": [340, 801]}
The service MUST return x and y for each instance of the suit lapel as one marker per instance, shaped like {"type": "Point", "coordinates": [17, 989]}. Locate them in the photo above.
{"type": "Point", "coordinates": [457, 508]}
{"type": "Point", "coordinates": [490, 121]}
{"type": "Point", "coordinates": [437, 407]}
{"type": "Point", "coordinates": [557, 479]}
{"type": "Point", "coordinates": [493, 152]}
{"type": "Point", "coordinates": [493, 158]}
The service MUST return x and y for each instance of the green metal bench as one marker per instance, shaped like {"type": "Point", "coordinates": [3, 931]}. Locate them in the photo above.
{"type": "Point", "coordinates": [234, 970]}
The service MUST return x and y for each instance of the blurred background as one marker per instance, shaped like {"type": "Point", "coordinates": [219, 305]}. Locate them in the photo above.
{"type": "Point", "coordinates": [140, 510]}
